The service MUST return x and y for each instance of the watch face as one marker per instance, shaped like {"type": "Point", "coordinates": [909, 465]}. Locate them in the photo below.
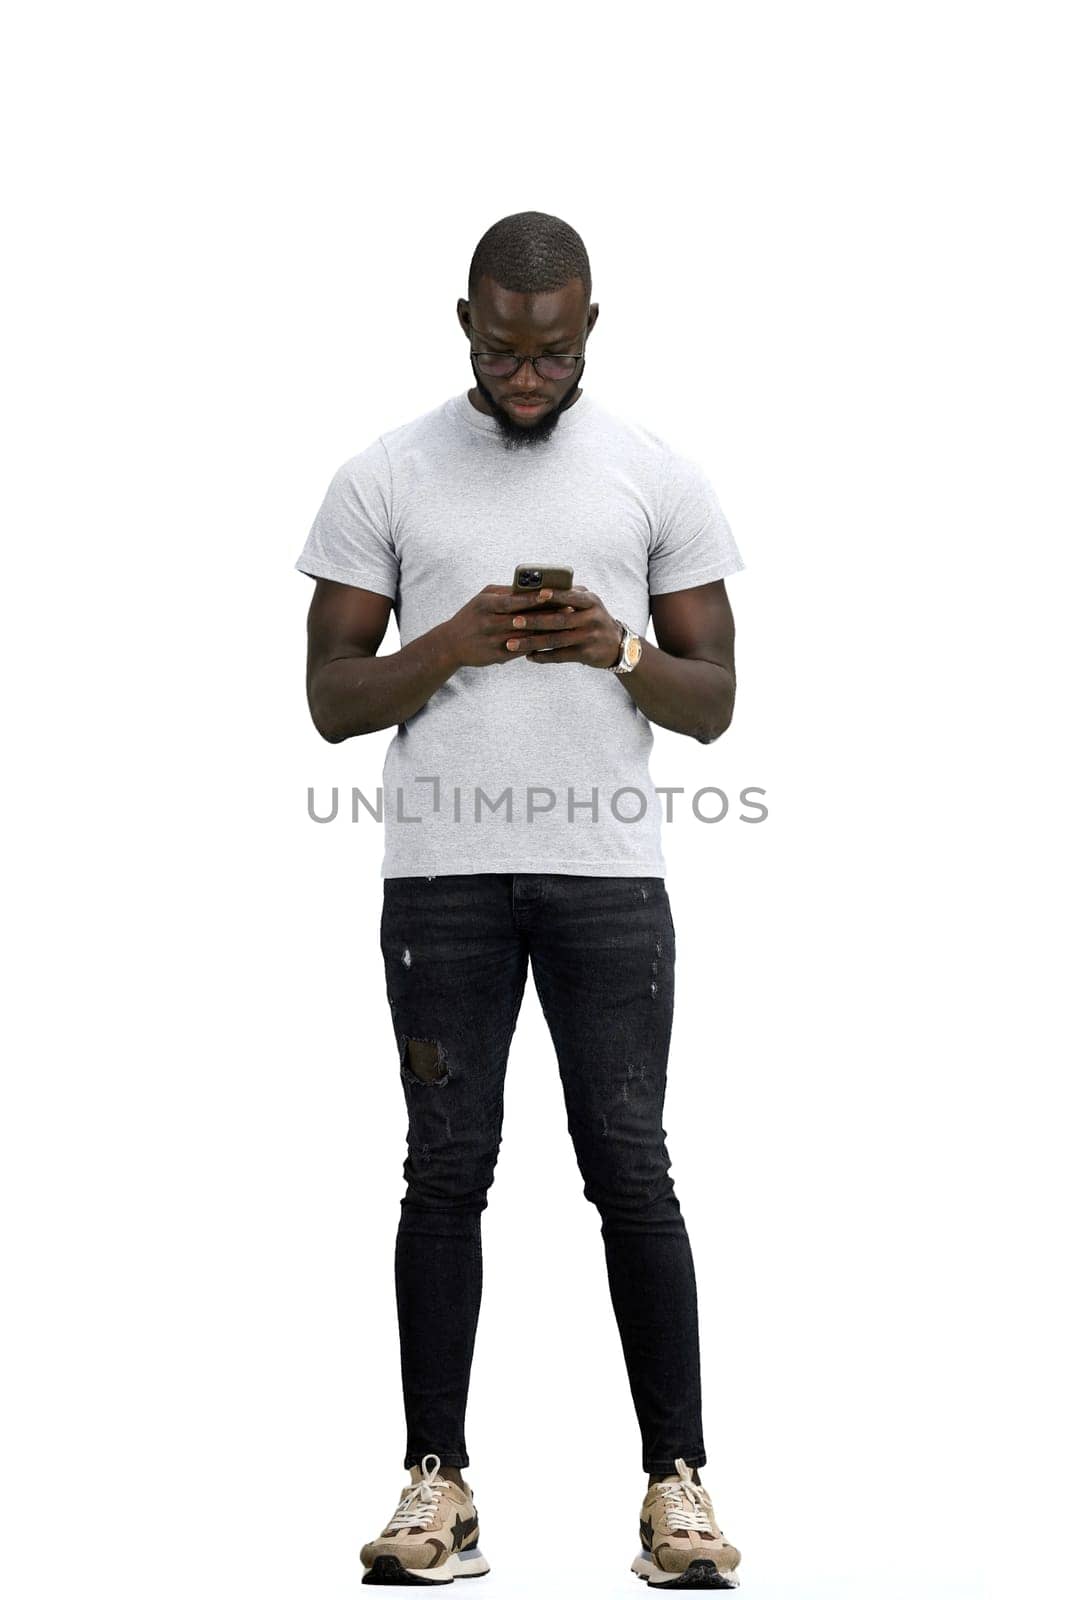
{"type": "Point", "coordinates": [633, 651]}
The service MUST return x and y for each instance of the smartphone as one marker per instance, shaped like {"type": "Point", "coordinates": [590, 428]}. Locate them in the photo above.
{"type": "Point", "coordinates": [534, 576]}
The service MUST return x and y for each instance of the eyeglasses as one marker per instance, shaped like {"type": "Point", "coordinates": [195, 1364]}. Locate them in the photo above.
{"type": "Point", "coordinates": [505, 364]}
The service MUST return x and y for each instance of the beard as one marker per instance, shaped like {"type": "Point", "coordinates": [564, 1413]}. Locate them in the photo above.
{"type": "Point", "coordinates": [517, 436]}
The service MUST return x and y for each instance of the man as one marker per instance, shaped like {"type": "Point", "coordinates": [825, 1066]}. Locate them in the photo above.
{"type": "Point", "coordinates": [521, 827]}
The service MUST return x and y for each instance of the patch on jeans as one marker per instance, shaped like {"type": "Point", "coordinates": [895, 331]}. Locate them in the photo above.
{"type": "Point", "coordinates": [423, 1061]}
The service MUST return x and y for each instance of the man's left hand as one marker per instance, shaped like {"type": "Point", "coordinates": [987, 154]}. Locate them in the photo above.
{"type": "Point", "coordinates": [582, 629]}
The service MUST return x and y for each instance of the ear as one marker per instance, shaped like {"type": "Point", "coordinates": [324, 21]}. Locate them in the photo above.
{"type": "Point", "coordinates": [594, 312]}
{"type": "Point", "coordinates": [463, 311]}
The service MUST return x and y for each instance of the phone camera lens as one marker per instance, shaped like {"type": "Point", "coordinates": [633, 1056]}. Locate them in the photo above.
{"type": "Point", "coordinates": [531, 580]}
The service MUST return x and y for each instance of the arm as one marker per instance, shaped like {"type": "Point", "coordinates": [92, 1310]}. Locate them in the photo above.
{"type": "Point", "coordinates": [350, 691]}
{"type": "Point", "coordinates": [688, 684]}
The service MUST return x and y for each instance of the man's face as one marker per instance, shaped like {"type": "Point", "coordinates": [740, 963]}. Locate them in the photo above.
{"type": "Point", "coordinates": [500, 321]}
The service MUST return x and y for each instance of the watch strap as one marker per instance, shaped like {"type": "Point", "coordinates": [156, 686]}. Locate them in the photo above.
{"type": "Point", "coordinates": [622, 665]}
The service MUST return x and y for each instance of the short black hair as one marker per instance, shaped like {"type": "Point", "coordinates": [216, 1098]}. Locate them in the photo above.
{"type": "Point", "coordinates": [530, 252]}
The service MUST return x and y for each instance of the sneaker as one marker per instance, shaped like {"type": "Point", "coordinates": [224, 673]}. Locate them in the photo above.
{"type": "Point", "coordinates": [682, 1546]}
{"type": "Point", "coordinates": [432, 1536]}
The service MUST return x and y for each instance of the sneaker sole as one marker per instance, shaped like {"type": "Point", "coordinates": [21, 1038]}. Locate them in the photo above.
{"type": "Point", "coordinates": [699, 1574]}
{"type": "Point", "coordinates": [463, 1564]}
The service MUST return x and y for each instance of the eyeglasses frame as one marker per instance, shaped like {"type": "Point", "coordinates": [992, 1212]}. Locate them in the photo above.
{"type": "Point", "coordinates": [520, 361]}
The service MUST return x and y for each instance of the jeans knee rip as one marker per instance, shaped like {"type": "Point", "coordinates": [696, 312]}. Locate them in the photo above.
{"type": "Point", "coordinates": [423, 1061]}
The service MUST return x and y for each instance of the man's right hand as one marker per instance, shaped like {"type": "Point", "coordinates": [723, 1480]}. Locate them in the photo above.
{"type": "Point", "coordinates": [478, 634]}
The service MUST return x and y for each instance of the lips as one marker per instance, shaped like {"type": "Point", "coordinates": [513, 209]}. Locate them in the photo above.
{"type": "Point", "coordinates": [531, 405]}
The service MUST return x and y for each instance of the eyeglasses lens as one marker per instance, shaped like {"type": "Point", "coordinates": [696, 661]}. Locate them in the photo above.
{"type": "Point", "coordinates": [505, 366]}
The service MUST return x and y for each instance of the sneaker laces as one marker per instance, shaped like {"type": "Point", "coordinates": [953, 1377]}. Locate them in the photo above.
{"type": "Point", "coordinates": [688, 1505]}
{"type": "Point", "coordinates": [419, 1502]}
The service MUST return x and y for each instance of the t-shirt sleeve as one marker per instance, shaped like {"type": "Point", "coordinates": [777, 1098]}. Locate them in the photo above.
{"type": "Point", "coordinates": [350, 539]}
{"type": "Point", "coordinates": [693, 542]}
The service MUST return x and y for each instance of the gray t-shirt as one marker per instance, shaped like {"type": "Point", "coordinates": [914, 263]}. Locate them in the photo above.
{"type": "Point", "coordinates": [520, 767]}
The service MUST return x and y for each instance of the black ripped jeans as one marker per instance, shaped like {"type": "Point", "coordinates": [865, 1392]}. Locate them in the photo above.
{"type": "Point", "coordinates": [456, 950]}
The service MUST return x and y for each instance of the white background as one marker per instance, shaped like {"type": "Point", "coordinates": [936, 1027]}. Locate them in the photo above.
{"type": "Point", "coordinates": [826, 242]}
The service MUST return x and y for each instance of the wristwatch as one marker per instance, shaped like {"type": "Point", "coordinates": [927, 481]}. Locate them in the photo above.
{"type": "Point", "coordinates": [630, 653]}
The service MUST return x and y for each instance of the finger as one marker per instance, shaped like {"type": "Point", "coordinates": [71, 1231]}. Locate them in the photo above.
{"type": "Point", "coordinates": [508, 601]}
{"type": "Point", "coordinates": [574, 652]}
{"type": "Point", "coordinates": [521, 647]}
{"type": "Point", "coordinates": [581, 598]}
{"type": "Point", "coordinates": [506, 590]}
{"type": "Point", "coordinates": [549, 621]}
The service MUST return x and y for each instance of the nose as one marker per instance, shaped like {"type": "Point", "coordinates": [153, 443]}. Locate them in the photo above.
{"type": "Point", "coordinates": [526, 377]}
